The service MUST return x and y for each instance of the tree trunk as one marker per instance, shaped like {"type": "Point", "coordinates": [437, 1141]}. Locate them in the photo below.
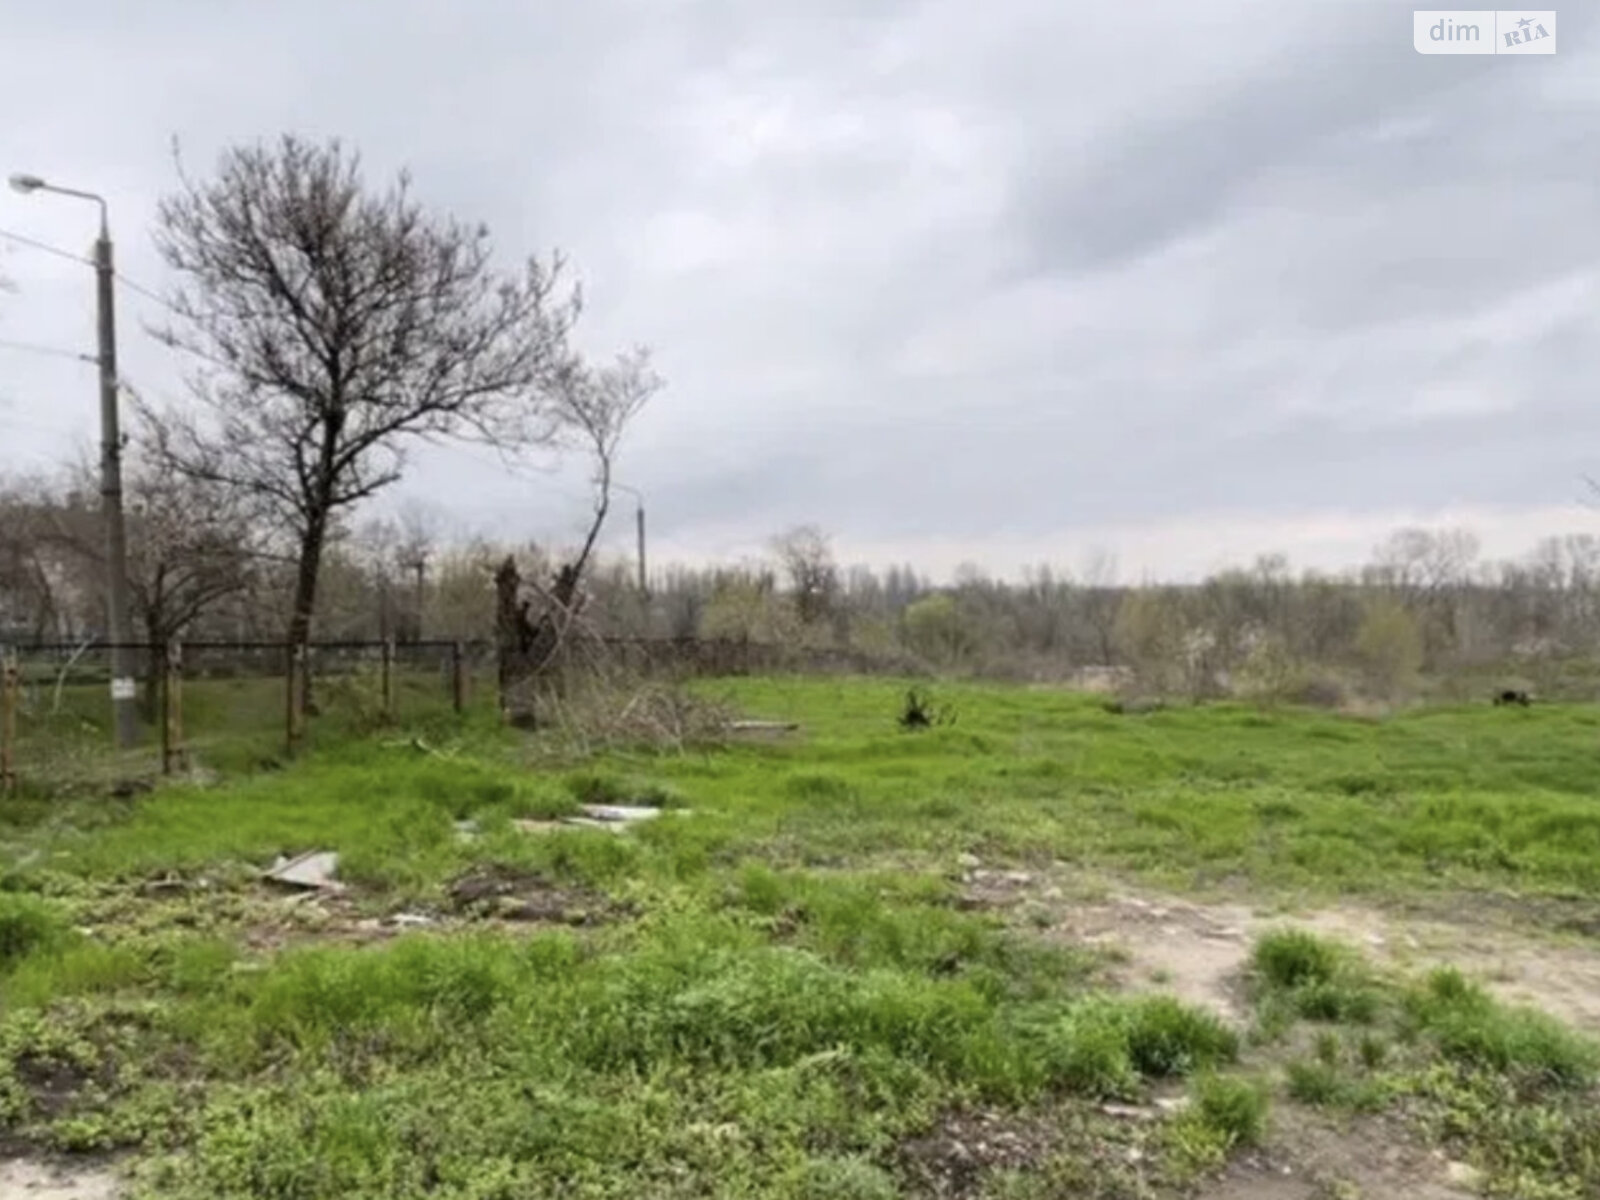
{"type": "Point", "coordinates": [154, 665]}
{"type": "Point", "coordinates": [514, 642]}
{"type": "Point", "coordinates": [529, 649]}
{"type": "Point", "coordinates": [154, 634]}
{"type": "Point", "coordinates": [305, 598]}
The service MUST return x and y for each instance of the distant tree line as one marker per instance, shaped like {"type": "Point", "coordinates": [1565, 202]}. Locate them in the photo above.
{"type": "Point", "coordinates": [1425, 611]}
{"type": "Point", "coordinates": [328, 324]}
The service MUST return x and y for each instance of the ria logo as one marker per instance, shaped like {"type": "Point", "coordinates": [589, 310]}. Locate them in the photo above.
{"type": "Point", "coordinates": [1529, 30]}
{"type": "Point", "coordinates": [1483, 31]}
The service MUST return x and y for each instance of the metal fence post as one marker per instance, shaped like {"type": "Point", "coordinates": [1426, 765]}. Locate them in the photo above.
{"type": "Point", "coordinates": [9, 687]}
{"type": "Point", "coordinates": [172, 747]}
{"type": "Point", "coordinates": [387, 658]}
{"type": "Point", "coordinates": [458, 678]}
{"type": "Point", "coordinates": [165, 714]}
{"type": "Point", "coordinates": [294, 717]}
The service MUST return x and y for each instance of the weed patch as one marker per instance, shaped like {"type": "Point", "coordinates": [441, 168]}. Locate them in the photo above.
{"type": "Point", "coordinates": [1225, 1112]}
{"type": "Point", "coordinates": [1298, 973]}
{"type": "Point", "coordinates": [802, 1000]}
{"type": "Point", "coordinates": [1471, 1029]}
{"type": "Point", "coordinates": [27, 925]}
{"type": "Point", "coordinates": [506, 893]}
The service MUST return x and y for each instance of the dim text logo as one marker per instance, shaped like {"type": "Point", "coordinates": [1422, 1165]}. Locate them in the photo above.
{"type": "Point", "coordinates": [1483, 31]}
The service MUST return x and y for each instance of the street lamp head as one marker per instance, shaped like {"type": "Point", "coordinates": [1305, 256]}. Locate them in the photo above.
{"type": "Point", "coordinates": [26, 183]}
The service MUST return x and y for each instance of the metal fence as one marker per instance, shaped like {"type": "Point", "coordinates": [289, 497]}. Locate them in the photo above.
{"type": "Point", "coordinates": [56, 705]}
{"type": "Point", "coordinates": [217, 701]}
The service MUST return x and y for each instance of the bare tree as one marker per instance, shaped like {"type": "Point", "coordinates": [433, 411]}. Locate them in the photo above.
{"type": "Point", "coordinates": [39, 596]}
{"type": "Point", "coordinates": [396, 554]}
{"type": "Point", "coordinates": [419, 531]}
{"type": "Point", "coordinates": [807, 559]}
{"type": "Point", "coordinates": [190, 545]}
{"type": "Point", "coordinates": [590, 410]}
{"type": "Point", "coordinates": [1102, 601]}
{"type": "Point", "coordinates": [1424, 570]}
{"type": "Point", "coordinates": [332, 323]}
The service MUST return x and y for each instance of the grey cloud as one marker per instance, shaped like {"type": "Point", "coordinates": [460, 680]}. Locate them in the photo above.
{"type": "Point", "coordinates": [1149, 183]}
{"type": "Point", "coordinates": [917, 270]}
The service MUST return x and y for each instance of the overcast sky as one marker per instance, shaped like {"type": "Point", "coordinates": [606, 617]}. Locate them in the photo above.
{"type": "Point", "coordinates": [1001, 283]}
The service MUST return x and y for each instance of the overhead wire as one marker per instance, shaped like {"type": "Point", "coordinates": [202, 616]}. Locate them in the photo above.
{"type": "Point", "coordinates": [132, 285]}
{"type": "Point", "coordinates": [46, 247]}
{"type": "Point", "coordinates": [51, 351]}
{"type": "Point", "coordinates": [148, 293]}
{"type": "Point", "coordinates": [525, 471]}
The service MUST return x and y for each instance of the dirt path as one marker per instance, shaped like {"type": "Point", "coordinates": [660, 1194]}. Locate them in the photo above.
{"type": "Point", "coordinates": [1312, 1157]}
{"type": "Point", "coordinates": [1198, 951]}
{"type": "Point", "coordinates": [26, 1179]}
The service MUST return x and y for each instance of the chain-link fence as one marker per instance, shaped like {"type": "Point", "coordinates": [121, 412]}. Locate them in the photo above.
{"type": "Point", "coordinates": [219, 704]}
{"type": "Point", "coordinates": [233, 705]}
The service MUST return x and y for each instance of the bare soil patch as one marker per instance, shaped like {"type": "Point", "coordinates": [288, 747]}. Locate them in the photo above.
{"type": "Point", "coordinates": [52, 1085]}
{"type": "Point", "coordinates": [953, 1159]}
{"type": "Point", "coordinates": [1312, 1157]}
{"type": "Point", "coordinates": [509, 894]}
{"type": "Point", "coordinates": [32, 1179]}
{"type": "Point", "coordinates": [1197, 951]}
{"type": "Point", "coordinates": [264, 918]}
{"type": "Point", "coordinates": [1535, 953]}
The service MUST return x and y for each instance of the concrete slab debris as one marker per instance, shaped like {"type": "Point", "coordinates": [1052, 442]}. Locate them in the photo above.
{"type": "Point", "coordinates": [612, 818]}
{"type": "Point", "coordinates": [531, 826]}
{"type": "Point", "coordinates": [591, 823]}
{"type": "Point", "coordinates": [620, 812]}
{"type": "Point", "coordinates": [314, 870]}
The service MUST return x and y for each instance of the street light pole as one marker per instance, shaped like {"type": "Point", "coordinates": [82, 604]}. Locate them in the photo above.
{"type": "Point", "coordinates": [638, 500]}
{"type": "Point", "coordinates": [124, 689]}
{"type": "Point", "coordinates": [644, 584]}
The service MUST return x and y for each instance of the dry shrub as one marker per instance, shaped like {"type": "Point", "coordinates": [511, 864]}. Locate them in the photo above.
{"type": "Point", "coordinates": [1269, 672]}
{"type": "Point", "coordinates": [614, 709]}
{"type": "Point", "coordinates": [1319, 691]}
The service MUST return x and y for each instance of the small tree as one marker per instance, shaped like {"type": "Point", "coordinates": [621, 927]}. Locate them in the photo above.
{"type": "Point", "coordinates": [463, 590]}
{"type": "Point", "coordinates": [1389, 647]}
{"type": "Point", "coordinates": [590, 410]}
{"type": "Point", "coordinates": [44, 593]}
{"type": "Point", "coordinates": [190, 547]}
{"type": "Point", "coordinates": [937, 629]}
{"type": "Point", "coordinates": [742, 609]}
{"type": "Point", "coordinates": [807, 559]}
{"type": "Point", "coordinates": [330, 324]}
{"type": "Point", "coordinates": [1150, 637]}
{"type": "Point", "coordinates": [1269, 671]}
{"type": "Point", "coordinates": [1101, 600]}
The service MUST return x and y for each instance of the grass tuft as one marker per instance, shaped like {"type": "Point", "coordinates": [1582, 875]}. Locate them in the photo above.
{"type": "Point", "coordinates": [1168, 1038]}
{"type": "Point", "coordinates": [1312, 978]}
{"type": "Point", "coordinates": [1235, 1108]}
{"type": "Point", "coordinates": [1225, 1113]}
{"type": "Point", "coordinates": [1292, 958]}
{"type": "Point", "coordinates": [27, 925]}
{"type": "Point", "coordinates": [1471, 1029]}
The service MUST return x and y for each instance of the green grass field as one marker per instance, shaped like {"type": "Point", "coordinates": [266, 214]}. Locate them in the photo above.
{"type": "Point", "coordinates": [780, 988]}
